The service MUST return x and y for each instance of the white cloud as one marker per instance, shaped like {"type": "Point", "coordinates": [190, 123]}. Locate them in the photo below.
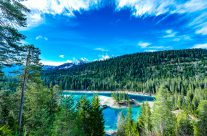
{"type": "Point", "coordinates": [148, 7]}
{"type": "Point", "coordinates": [61, 56]}
{"type": "Point", "coordinates": [38, 37]}
{"type": "Point", "coordinates": [169, 31]}
{"type": "Point", "coordinates": [104, 57]}
{"type": "Point", "coordinates": [202, 30]}
{"type": "Point", "coordinates": [51, 63]}
{"type": "Point", "coordinates": [143, 44]}
{"type": "Point", "coordinates": [57, 63]}
{"type": "Point", "coordinates": [192, 6]}
{"type": "Point", "coordinates": [158, 47]}
{"type": "Point", "coordinates": [33, 19]}
{"type": "Point", "coordinates": [66, 7]}
{"type": "Point", "coordinates": [204, 45]}
{"type": "Point", "coordinates": [101, 49]}
{"type": "Point", "coordinates": [182, 37]}
{"type": "Point", "coordinates": [69, 61]}
{"type": "Point", "coordinates": [169, 34]}
{"type": "Point", "coordinates": [41, 37]}
{"type": "Point", "coordinates": [186, 37]}
{"type": "Point", "coordinates": [158, 7]}
{"type": "Point", "coordinates": [150, 50]}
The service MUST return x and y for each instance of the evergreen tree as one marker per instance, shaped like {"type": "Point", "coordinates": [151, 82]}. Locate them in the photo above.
{"type": "Point", "coordinates": [66, 121]}
{"type": "Point", "coordinates": [13, 15]}
{"type": "Point", "coordinates": [84, 109]}
{"type": "Point", "coordinates": [202, 116]}
{"type": "Point", "coordinates": [31, 72]}
{"type": "Point", "coordinates": [184, 127]}
{"type": "Point", "coordinates": [97, 120]}
{"type": "Point", "coordinates": [144, 121]}
{"type": "Point", "coordinates": [163, 119]}
{"type": "Point", "coordinates": [130, 126]}
{"type": "Point", "coordinates": [9, 103]}
{"type": "Point", "coordinates": [5, 131]}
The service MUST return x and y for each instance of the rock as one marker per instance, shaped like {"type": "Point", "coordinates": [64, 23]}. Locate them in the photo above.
{"type": "Point", "coordinates": [104, 106]}
{"type": "Point", "coordinates": [125, 102]}
{"type": "Point", "coordinates": [111, 133]}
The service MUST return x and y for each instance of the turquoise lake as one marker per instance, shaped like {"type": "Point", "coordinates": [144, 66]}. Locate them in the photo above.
{"type": "Point", "coordinates": [111, 114]}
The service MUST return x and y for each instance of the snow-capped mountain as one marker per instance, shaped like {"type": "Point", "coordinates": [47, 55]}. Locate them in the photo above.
{"type": "Point", "coordinates": [12, 70]}
{"type": "Point", "coordinates": [64, 66]}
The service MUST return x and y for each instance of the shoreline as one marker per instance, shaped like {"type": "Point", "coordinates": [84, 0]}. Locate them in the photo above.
{"type": "Point", "coordinates": [110, 132]}
{"type": "Point", "coordinates": [109, 101]}
{"type": "Point", "coordinates": [95, 91]}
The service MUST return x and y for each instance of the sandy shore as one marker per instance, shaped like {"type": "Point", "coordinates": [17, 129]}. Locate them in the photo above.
{"type": "Point", "coordinates": [111, 132]}
{"type": "Point", "coordinates": [109, 101]}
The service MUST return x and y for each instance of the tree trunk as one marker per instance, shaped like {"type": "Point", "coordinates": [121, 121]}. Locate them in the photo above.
{"type": "Point", "coordinates": [25, 74]}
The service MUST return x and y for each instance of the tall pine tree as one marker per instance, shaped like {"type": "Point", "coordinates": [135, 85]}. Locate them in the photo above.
{"type": "Point", "coordinates": [31, 73]}
{"type": "Point", "coordinates": [97, 120]}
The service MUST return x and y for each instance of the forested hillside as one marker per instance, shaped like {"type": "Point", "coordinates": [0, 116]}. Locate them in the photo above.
{"type": "Point", "coordinates": [137, 72]}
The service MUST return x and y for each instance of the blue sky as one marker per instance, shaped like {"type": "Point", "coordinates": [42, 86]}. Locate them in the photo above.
{"type": "Point", "coordinates": [70, 30]}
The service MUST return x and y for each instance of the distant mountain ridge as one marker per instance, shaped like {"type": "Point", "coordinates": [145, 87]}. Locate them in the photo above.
{"type": "Point", "coordinates": [64, 66]}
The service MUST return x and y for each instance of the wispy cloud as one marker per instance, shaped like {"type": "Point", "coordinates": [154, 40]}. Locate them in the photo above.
{"type": "Point", "coordinates": [169, 34]}
{"type": "Point", "coordinates": [41, 37]}
{"type": "Point", "coordinates": [199, 23]}
{"type": "Point", "coordinates": [202, 30]}
{"type": "Point", "coordinates": [143, 44]}
{"type": "Point", "coordinates": [33, 19]}
{"type": "Point", "coordinates": [51, 63]}
{"type": "Point", "coordinates": [150, 50]}
{"type": "Point", "coordinates": [54, 7]}
{"type": "Point", "coordinates": [62, 56]}
{"type": "Point", "coordinates": [101, 49]}
{"type": "Point", "coordinates": [175, 36]}
{"type": "Point", "coordinates": [182, 37]}
{"type": "Point", "coordinates": [204, 45]}
{"type": "Point", "coordinates": [197, 9]}
{"type": "Point", "coordinates": [158, 7]}
{"type": "Point", "coordinates": [159, 47]}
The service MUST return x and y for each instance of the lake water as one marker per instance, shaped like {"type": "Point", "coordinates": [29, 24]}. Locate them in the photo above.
{"type": "Point", "coordinates": [111, 114]}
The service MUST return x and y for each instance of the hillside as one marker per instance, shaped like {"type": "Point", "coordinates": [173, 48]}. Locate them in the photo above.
{"type": "Point", "coordinates": [131, 72]}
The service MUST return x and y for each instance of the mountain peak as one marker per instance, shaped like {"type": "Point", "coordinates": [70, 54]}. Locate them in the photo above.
{"type": "Point", "coordinates": [67, 65]}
